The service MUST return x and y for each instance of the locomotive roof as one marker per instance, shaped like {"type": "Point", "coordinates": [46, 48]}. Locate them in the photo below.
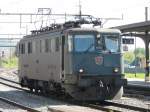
{"type": "Point", "coordinates": [59, 31]}
{"type": "Point", "coordinates": [102, 30]}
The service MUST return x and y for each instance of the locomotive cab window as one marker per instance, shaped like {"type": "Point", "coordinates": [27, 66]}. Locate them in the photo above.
{"type": "Point", "coordinates": [81, 43]}
{"type": "Point", "coordinates": [111, 42]}
{"type": "Point", "coordinates": [70, 42]}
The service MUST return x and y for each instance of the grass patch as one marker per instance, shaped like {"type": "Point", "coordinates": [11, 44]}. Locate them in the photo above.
{"type": "Point", "coordinates": [10, 62]}
{"type": "Point", "coordinates": [137, 75]}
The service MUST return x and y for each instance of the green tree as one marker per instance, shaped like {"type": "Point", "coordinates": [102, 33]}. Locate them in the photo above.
{"type": "Point", "coordinates": [129, 56]}
{"type": "Point", "coordinates": [139, 52]}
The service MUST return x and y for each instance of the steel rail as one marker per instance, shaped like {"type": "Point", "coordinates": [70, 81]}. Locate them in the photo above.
{"type": "Point", "coordinates": [19, 88]}
{"type": "Point", "coordinates": [121, 106]}
{"type": "Point", "coordinates": [9, 80]}
{"type": "Point", "coordinates": [128, 106]}
{"type": "Point", "coordinates": [18, 105]}
{"type": "Point", "coordinates": [99, 107]}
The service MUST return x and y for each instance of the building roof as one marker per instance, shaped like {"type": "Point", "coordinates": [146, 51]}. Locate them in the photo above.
{"type": "Point", "coordinates": [135, 27]}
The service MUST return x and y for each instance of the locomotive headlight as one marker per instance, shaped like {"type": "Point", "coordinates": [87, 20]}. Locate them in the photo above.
{"type": "Point", "coordinates": [81, 70]}
{"type": "Point", "coordinates": [116, 70]}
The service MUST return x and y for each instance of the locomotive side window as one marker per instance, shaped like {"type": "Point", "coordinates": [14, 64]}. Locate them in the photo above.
{"type": "Point", "coordinates": [49, 45]}
{"type": "Point", "coordinates": [46, 45]}
{"type": "Point", "coordinates": [19, 48]}
{"type": "Point", "coordinates": [29, 47]}
{"type": "Point", "coordinates": [34, 46]}
{"type": "Point", "coordinates": [40, 46]}
{"type": "Point", "coordinates": [37, 46]}
{"type": "Point", "coordinates": [53, 44]}
{"type": "Point", "coordinates": [57, 44]}
{"type": "Point", "coordinates": [22, 48]}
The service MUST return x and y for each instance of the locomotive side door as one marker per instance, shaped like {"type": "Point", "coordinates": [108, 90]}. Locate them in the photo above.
{"type": "Point", "coordinates": [66, 59]}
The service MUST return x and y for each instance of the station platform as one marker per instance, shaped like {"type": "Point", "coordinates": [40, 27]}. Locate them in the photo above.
{"type": "Point", "coordinates": [138, 83]}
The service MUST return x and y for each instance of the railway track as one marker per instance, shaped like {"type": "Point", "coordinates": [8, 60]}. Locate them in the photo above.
{"type": "Point", "coordinates": [9, 80]}
{"type": "Point", "coordinates": [105, 106]}
{"type": "Point", "coordinates": [18, 105]}
{"type": "Point", "coordinates": [9, 85]}
{"type": "Point", "coordinates": [119, 106]}
{"type": "Point", "coordinates": [29, 109]}
{"type": "Point", "coordinates": [137, 90]}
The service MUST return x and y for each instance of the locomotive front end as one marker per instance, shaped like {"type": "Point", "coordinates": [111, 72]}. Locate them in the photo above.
{"type": "Point", "coordinates": [95, 62]}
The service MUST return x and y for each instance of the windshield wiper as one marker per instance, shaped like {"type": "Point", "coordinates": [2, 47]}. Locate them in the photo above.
{"type": "Point", "coordinates": [89, 48]}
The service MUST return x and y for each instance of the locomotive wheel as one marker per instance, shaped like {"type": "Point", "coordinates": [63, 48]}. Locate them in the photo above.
{"type": "Point", "coordinates": [43, 91]}
{"type": "Point", "coordinates": [31, 89]}
{"type": "Point", "coordinates": [22, 82]}
{"type": "Point", "coordinates": [36, 90]}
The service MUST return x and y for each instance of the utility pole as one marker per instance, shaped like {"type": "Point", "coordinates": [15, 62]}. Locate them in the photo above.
{"type": "Point", "coordinates": [146, 13]}
{"type": "Point", "coordinates": [80, 12]}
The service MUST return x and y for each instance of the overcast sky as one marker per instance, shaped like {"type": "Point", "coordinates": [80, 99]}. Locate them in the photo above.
{"type": "Point", "coordinates": [132, 10]}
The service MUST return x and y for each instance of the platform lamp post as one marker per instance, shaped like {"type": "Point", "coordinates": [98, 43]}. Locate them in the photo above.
{"type": "Point", "coordinates": [135, 56]}
{"type": "Point", "coordinates": [147, 49]}
{"type": "Point", "coordinates": [147, 57]}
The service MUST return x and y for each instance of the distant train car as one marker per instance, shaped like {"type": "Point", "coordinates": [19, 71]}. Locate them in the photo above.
{"type": "Point", "coordinates": [86, 63]}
